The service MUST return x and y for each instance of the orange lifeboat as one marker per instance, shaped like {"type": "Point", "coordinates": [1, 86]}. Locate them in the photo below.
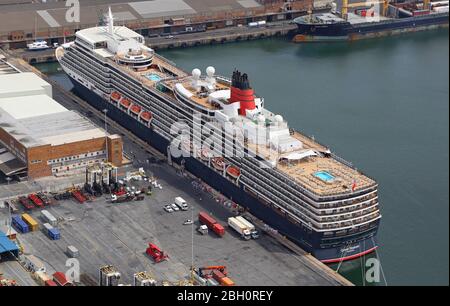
{"type": "Point", "coordinates": [136, 109]}
{"type": "Point", "coordinates": [125, 103]}
{"type": "Point", "coordinates": [218, 163]}
{"type": "Point", "coordinates": [233, 172]}
{"type": "Point", "coordinates": [115, 96]}
{"type": "Point", "coordinates": [146, 116]}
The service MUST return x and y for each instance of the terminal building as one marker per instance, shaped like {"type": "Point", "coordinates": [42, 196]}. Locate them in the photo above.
{"type": "Point", "coordinates": [39, 137]}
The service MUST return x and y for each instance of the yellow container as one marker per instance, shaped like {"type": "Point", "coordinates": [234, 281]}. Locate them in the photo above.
{"type": "Point", "coordinates": [34, 226]}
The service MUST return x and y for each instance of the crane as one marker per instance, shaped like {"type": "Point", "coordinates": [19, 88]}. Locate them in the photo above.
{"type": "Point", "coordinates": [346, 6]}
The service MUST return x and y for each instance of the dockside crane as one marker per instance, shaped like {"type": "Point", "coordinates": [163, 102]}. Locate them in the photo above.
{"type": "Point", "coordinates": [346, 6]}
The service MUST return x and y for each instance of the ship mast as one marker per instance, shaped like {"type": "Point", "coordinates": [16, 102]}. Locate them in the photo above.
{"type": "Point", "coordinates": [110, 22]}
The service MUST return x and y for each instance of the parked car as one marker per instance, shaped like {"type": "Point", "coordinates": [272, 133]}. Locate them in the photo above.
{"type": "Point", "coordinates": [175, 207]}
{"type": "Point", "coordinates": [168, 208]}
{"type": "Point", "coordinates": [188, 222]}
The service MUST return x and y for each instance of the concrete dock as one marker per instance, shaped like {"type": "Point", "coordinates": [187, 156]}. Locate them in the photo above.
{"type": "Point", "coordinates": [118, 234]}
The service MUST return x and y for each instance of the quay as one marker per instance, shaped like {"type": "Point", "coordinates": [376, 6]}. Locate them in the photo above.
{"type": "Point", "coordinates": [270, 260]}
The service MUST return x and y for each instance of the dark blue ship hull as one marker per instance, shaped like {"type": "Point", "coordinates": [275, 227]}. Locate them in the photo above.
{"type": "Point", "coordinates": [344, 30]}
{"type": "Point", "coordinates": [310, 241]}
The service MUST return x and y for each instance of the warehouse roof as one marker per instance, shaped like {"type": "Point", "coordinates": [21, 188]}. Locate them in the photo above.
{"type": "Point", "coordinates": [30, 106]}
{"type": "Point", "coordinates": [12, 85]}
{"type": "Point", "coordinates": [54, 128]}
{"type": "Point", "coordinates": [6, 245]}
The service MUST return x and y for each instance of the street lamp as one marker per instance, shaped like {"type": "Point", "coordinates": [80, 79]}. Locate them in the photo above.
{"type": "Point", "coordinates": [105, 111]}
{"type": "Point", "coordinates": [8, 179]}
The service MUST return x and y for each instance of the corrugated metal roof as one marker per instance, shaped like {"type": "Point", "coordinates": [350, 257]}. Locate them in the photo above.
{"type": "Point", "coordinates": [7, 245]}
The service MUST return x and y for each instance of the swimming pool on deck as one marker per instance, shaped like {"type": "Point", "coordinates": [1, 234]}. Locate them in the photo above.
{"type": "Point", "coordinates": [324, 176]}
{"type": "Point", "coordinates": [153, 77]}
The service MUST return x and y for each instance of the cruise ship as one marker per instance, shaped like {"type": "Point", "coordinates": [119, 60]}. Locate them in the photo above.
{"type": "Point", "coordinates": [219, 129]}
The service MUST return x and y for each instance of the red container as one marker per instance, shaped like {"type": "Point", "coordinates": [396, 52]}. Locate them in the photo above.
{"type": "Point", "coordinates": [217, 275]}
{"type": "Point", "coordinates": [50, 283]}
{"type": "Point", "coordinates": [218, 229]}
{"type": "Point", "coordinates": [206, 219]}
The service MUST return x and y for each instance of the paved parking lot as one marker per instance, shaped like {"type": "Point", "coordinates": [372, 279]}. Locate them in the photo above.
{"type": "Point", "coordinates": [118, 234]}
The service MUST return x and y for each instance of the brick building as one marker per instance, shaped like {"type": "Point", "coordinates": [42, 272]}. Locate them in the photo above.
{"type": "Point", "coordinates": [39, 137]}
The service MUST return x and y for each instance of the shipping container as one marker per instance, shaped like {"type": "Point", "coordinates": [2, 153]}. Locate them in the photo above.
{"type": "Point", "coordinates": [41, 278]}
{"type": "Point", "coordinates": [217, 275]}
{"type": "Point", "coordinates": [218, 229]}
{"type": "Point", "coordinates": [54, 234]}
{"type": "Point", "coordinates": [34, 226]}
{"type": "Point", "coordinates": [226, 281]}
{"type": "Point", "coordinates": [206, 219]}
{"type": "Point", "coordinates": [50, 283]}
{"type": "Point", "coordinates": [209, 221]}
{"type": "Point", "coordinates": [48, 217]}
{"type": "Point", "coordinates": [47, 226]}
{"type": "Point", "coordinates": [20, 225]}
{"type": "Point", "coordinates": [212, 282]}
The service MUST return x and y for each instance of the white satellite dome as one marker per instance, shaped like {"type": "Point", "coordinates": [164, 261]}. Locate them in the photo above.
{"type": "Point", "coordinates": [210, 71]}
{"type": "Point", "coordinates": [196, 73]}
{"type": "Point", "coordinates": [278, 118]}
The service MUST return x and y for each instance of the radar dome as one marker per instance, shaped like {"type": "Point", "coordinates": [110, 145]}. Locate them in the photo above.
{"type": "Point", "coordinates": [196, 73]}
{"type": "Point", "coordinates": [278, 118]}
{"type": "Point", "coordinates": [210, 71]}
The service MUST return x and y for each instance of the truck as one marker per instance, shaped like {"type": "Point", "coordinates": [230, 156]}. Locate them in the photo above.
{"type": "Point", "coordinates": [254, 233]}
{"type": "Point", "coordinates": [49, 218]}
{"type": "Point", "coordinates": [180, 202]}
{"type": "Point", "coordinates": [211, 223]}
{"type": "Point", "coordinates": [240, 228]}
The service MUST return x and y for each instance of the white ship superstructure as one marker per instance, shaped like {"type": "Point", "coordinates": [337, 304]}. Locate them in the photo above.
{"type": "Point", "coordinates": [293, 183]}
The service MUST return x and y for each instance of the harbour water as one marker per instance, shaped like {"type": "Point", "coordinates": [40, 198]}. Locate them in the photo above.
{"type": "Point", "coordinates": [382, 104]}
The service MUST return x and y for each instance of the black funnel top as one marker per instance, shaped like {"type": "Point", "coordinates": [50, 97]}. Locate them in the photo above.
{"type": "Point", "coordinates": [240, 80]}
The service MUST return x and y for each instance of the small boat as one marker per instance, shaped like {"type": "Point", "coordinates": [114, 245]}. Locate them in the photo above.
{"type": "Point", "coordinates": [125, 103]}
{"type": "Point", "coordinates": [146, 116]}
{"type": "Point", "coordinates": [218, 163]}
{"type": "Point", "coordinates": [115, 96]}
{"type": "Point", "coordinates": [136, 109]}
{"type": "Point", "coordinates": [38, 45]}
{"type": "Point", "coordinates": [234, 172]}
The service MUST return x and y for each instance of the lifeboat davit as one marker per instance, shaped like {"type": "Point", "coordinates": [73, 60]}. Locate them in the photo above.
{"type": "Point", "coordinates": [218, 163]}
{"type": "Point", "coordinates": [234, 172]}
{"type": "Point", "coordinates": [115, 96]}
{"type": "Point", "coordinates": [146, 116]}
{"type": "Point", "coordinates": [136, 109]}
{"type": "Point", "coordinates": [204, 154]}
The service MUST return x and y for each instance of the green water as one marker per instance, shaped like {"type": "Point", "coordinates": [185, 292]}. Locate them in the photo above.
{"type": "Point", "coordinates": [382, 104]}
